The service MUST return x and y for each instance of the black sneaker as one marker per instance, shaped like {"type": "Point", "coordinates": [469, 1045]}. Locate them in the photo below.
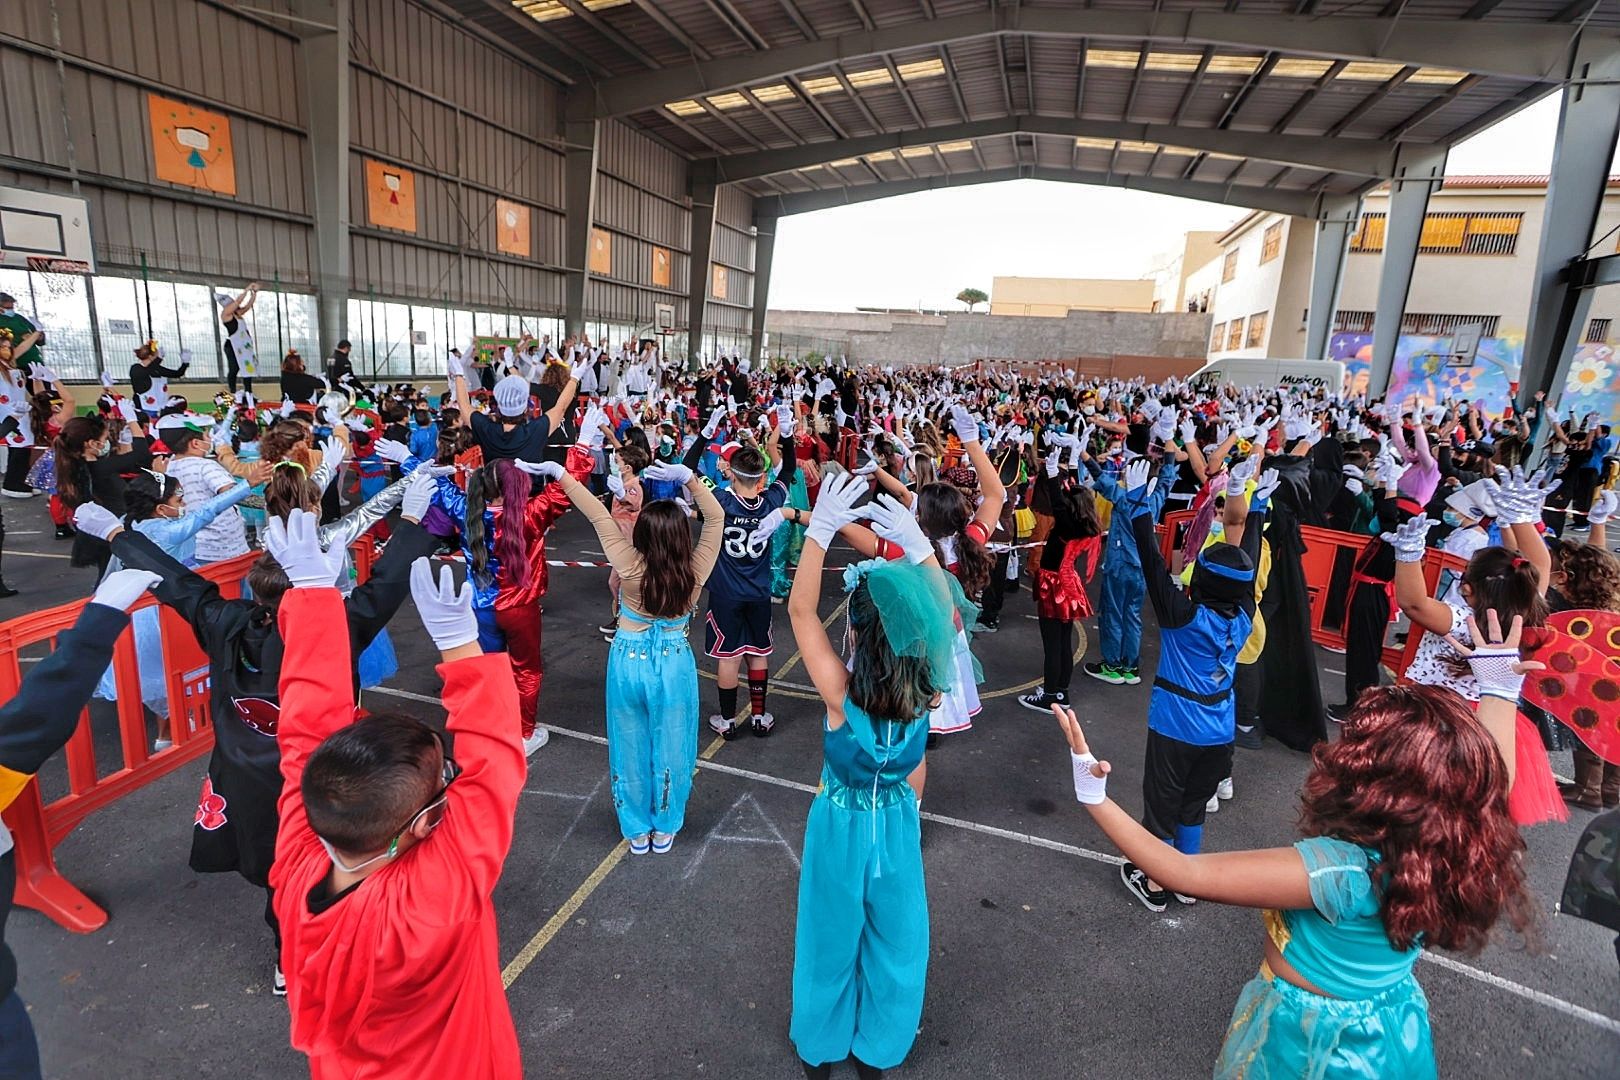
{"type": "Point", "coordinates": [1041, 701]}
{"type": "Point", "coordinates": [65, 532]}
{"type": "Point", "coordinates": [1338, 713]}
{"type": "Point", "coordinates": [1137, 881]}
{"type": "Point", "coordinates": [1249, 740]}
{"type": "Point", "coordinates": [931, 741]}
{"type": "Point", "coordinates": [986, 627]}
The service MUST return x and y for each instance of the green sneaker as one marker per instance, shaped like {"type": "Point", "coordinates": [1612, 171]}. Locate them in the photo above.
{"type": "Point", "coordinates": [1130, 676]}
{"type": "Point", "coordinates": [1106, 673]}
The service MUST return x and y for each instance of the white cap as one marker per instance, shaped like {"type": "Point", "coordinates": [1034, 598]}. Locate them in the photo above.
{"type": "Point", "coordinates": [512, 396]}
{"type": "Point", "coordinates": [1473, 501]}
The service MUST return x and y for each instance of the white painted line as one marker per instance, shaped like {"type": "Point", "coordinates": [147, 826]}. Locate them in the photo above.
{"type": "Point", "coordinates": [38, 555]}
{"type": "Point", "coordinates": [1568, 1008]}
{"type": "Point", "coordinates": [1333, 671]}
{"type": "Point", "coordinates": [1597, 1019]}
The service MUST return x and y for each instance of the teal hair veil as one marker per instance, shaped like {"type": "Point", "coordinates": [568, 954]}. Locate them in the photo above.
{"type": "Point", "coordinates": [922, 608]}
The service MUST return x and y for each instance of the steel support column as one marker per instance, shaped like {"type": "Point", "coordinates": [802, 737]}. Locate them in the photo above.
{"type": "Point", "coordinates": [764, 255]}
{"type": "Point", "coordinates": [1417, 174]}
{"type": "Point", "coordinates": [1587, 124]}
{"type": "Point", "coordinates": [582, 135]}
{"type": "Point", "coordinates": [324, 52]}
{"type": "Point", "coordinates": [700, 272]}
{"type": "Point", "coordinates": [1333, 232]}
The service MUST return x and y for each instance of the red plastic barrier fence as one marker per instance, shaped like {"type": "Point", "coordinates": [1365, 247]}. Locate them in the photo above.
{"type": "Point", "coordinates": [1324, 549]}
{"type": "Point", "coordinates": [38, 826]}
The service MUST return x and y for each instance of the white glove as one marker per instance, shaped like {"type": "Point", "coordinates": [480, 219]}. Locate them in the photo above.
{"type": "Point", "coordinates": [1603, 507]}
{"type": "Point", "coordinates": [1518, 500]}
{"type": "Point", "coordinates": [1165, 426]}
{"type": "Point", "coordinates": [898, 525]}
{"type": "Point", "coordinates": [590, 428]}
{"type": "Point", "coordinates": [185, 357]}
{"type": "Point", "coordinates": [122, 588]}
{"type": "Point", "coordinates": [1238, 477]}
{"type": "Point", "coordinates": [766, 527]}
{"type": "Point", "coordinates": [1136, 477]}
{"type": "Point", "coordinates": [1268, 483]}
{"type": "Point", "coordinates": [126, 411]}
{"type": "Point", "coordinates": [296, 545]}
{"type": "Point", "coordinates": [96, 520]}
{"type": "Point", "coordinates": [550, 470]}
{"type": "Point", "coordinates": [578, 369]}
{"type": "Point", "coordinates": [1089, 789]}
{"type": "Point", "coordinates": [680, 474]}
{"type": "Point", "coordinates": [418, 496]}
{"type": "Point", "coordinates": [44, 373]}
{"type": "Point", "coordinates": [715, 419]}
{"type": "Point", "coordinates": [840, 417]}
{"type": "Point", "coordinates": [784, 421]}
{"type": "Point", "coordinates": [835, 507]}
{"type": "Point", "coordinates": [454, 367]}
{"type": "Point", "coordinates": [332, 455]}
{"type": "Point", "coordinates": [962, 422]}
{"type": "Point", "coordinates": [446, 612]}
{"type": "Point", "coordinates": [107, 380]}
{"type": "Point", "coordinates": [392, 450]}
{"type": "Point", "coordinates": [615, 485]}
{"type": "Point", "coordinates": [1494, 661]}
{"type": "Point", "coordinates": [1410, 540]}
{"type": "Point", "coordinates": [1052, 464]}
{"type": "Point", "coordinates": [1189, 433]}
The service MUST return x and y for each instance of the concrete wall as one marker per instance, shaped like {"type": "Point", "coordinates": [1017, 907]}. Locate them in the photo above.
{"type": "Point", "coordinates": [901, 339]}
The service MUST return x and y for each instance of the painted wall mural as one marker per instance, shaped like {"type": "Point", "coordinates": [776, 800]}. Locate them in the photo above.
{"type": "Point", "coordinates": [1421, 369]}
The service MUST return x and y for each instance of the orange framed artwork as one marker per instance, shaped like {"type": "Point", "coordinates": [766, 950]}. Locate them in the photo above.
{"type": "Point", "coordinates": [390, 196]}
{"type": "Point", "coordinates": [601, 252]}
{"type": "Point", "coordinates": [719, 290]}
{"type": "Point", "coordinates": [191, 146]}
{"type": "Point", "coordinates": [660, 267]}
{"type": "Point", "coordinates": [512, 228]}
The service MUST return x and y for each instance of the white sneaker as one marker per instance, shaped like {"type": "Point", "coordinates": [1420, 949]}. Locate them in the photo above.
{"type": "Point", "coordinates": [278, 983]}
{"type": "Point", "coordinates": [662, 842]}
{"type": "Point", "coordinates": [160, 745]}
{"type": "Point", "coordinates": [534, 742]}
{"type": "Point", "coordinates": [1214, 805]}
{"type": "Point", "coordinates": [1224, 791]}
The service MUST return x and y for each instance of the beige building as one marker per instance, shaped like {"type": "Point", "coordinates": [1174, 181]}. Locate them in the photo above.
{"type": "Point", "coordinates": [1475, 265]}
{"type": "Point", "coordinates": [1172, 289]}
{"type": "Point", "coordinates": [1056, 297]}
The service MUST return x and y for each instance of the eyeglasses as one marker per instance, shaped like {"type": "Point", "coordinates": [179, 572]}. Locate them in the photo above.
{"type": "Point", "coordinates": [447, 776]}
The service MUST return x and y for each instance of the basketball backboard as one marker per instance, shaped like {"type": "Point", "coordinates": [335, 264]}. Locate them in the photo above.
{"type": "Point", "coordinates": [44, 232]}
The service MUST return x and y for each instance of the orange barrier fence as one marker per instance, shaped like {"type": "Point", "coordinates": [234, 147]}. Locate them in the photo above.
{"type": "Point", "coordinates": [1329, 555]}
{"type": "Point", "coordinates": [38, 826]}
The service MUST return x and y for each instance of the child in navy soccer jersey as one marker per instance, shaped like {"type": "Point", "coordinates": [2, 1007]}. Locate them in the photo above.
{"type": "Point", "coordinates": [739, 620]}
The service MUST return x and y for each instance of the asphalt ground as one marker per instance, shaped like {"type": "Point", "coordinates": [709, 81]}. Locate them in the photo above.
{"type": "Point", "coordinates": [1042, 965]}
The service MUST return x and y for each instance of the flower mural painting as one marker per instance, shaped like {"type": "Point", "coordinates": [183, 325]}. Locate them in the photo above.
{"type": "Point", "coordinates": [1591, 373]}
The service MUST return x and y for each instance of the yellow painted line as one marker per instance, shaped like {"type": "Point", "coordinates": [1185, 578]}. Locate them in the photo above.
{"type": "Point", "coordinates": [543, 937]}
{"type": "Point", "coordinates": [559, 919]}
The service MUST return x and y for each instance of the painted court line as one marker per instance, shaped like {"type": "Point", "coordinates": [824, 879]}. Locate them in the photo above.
{"type": "Point", "coordinates": [38, 555]}
{"type": "Point", "coordinates": [1597, 1019]}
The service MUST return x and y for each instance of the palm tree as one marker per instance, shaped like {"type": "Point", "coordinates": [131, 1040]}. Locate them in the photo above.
{"type": "Point", "coordinates": [972, 297]}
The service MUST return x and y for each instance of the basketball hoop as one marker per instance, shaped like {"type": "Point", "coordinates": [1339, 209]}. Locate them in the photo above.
{"type": "Point", "coordinates": [59, 276]}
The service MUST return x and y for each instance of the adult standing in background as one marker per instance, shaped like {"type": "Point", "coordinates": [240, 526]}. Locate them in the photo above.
{"type": "Point", "coordinates": [297, 384]}
{"type": "Point", "coordinates": [239, 353]}
{"type": "Point", "coordinates": [149, 379]}
{"type": "Point", "coordinates": [339, 369]}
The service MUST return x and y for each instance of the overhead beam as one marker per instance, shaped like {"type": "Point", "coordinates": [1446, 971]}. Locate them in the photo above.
{"type": "Point", "coordinates": [1362, 157]}
{"type": "Point", "coordinates": [1297, 203]}
{"type": "Point", "coordinates": [1531, 51]}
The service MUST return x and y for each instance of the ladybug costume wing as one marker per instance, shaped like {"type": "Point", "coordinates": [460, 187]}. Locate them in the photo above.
{"type": "Point", "coordinates": [1581, 683]}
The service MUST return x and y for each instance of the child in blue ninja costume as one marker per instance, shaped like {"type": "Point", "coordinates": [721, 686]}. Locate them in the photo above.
{"type": "Point", "coordinates": [1119, 607]}
{"type": "Point", "coordinates": [1191, 713]}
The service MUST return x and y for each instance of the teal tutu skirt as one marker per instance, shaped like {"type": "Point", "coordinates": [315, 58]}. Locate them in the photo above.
{"type": "Point", "coordinates": [1280, 1032]}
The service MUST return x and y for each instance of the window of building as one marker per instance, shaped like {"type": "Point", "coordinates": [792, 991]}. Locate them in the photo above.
{"type": "Point", "coordinates": [1271, 242]}
{"type": "Point", "coordinates": [1369, 234]}
{"type": "Point", "coordinates": [1257, 329]}
{"type": "Point", "coordinates": [1434, 325]}
{"type": "Point", "coordinates": [1217, 337]}
{"type": "Point", "coordinates": [1229, 266]}
{"type": "Point", "coordinates": [1352, 322]}
{"type": "Point", "coordinates": [1234, 334]}
{"type": "Point", "coordinates": [1597, 332]}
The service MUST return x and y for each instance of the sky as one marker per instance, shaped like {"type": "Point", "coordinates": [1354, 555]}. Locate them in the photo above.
{"type": "Point", "coordinates": [921, 250]}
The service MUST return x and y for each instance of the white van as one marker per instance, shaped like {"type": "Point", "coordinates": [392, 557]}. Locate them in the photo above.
{"type": "Point", "coordinates": [1326, 375]}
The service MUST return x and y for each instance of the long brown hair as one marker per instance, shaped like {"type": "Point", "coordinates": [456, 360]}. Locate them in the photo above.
{"type": "Point", "coordinates": [942, 510]}
{"type": "Point", "coordinates": [663, 538]}
{"type": "Point", "coordinates": [1417, 778]}
{"type": "Point", "coordinates": [72, 472]}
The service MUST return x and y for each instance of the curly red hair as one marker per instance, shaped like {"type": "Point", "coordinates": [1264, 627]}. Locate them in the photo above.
{"type": "Point", "coordinates": [1417, 778]}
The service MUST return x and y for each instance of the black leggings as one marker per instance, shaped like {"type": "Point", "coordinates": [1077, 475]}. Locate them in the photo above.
{"type": "Point", "coordinates": [18, 458]}
{"type": "Point", "coordinates": [1057, 643]}
{"type": "Point", "coordinates": [1364, 639]}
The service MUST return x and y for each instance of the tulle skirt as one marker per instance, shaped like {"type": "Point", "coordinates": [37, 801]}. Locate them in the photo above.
{"type": "Point", "coordinates": [378, 663]}
{"type": "Point", "coordinates": [960, 704]}
{"type": "Point", "coordinates": [1281, 1032]}
{"type": "Point", "coordinates": [1055, 599]}
{"type": "Point", "coordinates": [42, 474]}
{"type": "Point", "coordinates": [1534, 797]}
{"type": "Point", "coordinates": [148, 661]}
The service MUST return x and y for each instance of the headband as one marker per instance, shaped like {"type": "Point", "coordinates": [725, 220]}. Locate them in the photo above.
{"type": "Point", "coordinates": [1228, 572]}
{"type": "Point", "coordinates": [289, 463]}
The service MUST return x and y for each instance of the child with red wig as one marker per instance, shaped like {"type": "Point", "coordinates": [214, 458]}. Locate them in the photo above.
{"type": "Point", "coordinates": [1409, 845]}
